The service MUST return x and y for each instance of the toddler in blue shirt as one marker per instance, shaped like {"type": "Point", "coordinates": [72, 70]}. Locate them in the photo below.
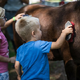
{"type": "Point", "coordinates": [32, 55]}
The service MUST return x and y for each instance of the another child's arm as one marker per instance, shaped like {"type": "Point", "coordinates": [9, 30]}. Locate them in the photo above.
{"type": "Point", "coordinates": [5, 59]}
{"type": "Point", "coordinates": [61, 39]}
{"type": "Point", "coordinates": [11, 20]}
{"type": "Point", "coordinates": [17, 67]}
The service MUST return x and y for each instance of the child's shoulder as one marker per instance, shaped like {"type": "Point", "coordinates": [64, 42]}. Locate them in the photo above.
{"type": "Point", "coordinates": [40, 41]}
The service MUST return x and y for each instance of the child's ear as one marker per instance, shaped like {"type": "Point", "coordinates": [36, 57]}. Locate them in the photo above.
{"type": "Point", "coordinates": [33, 33]}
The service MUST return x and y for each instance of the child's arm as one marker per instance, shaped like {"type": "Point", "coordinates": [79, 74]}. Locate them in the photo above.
{"type": "Point", "coordinates": [5, 59]}
{"type": "Point", "coordinates": [17, 67]}
{"type": "Point", "coordinates": [11, 20]}
{"type": "Point", "coordinates": [61, 39]}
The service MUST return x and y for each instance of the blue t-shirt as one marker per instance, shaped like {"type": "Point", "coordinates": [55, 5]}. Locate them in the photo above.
{"type": "Point", "coordinates": [34, 61]}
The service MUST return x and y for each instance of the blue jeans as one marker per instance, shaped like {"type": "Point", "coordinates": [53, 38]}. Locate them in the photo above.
{"type": "Point", "coordinates": [4, 76]}
{"type": "Point", "coordinates": [9, 15]}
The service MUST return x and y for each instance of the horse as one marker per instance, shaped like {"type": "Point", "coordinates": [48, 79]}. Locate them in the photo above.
{"type": "Point", "coordinates": [52, 21]}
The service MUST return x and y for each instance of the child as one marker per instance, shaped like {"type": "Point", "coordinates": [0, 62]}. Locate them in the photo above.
{"type": "Point", "coordinates": [32, 55]}
{"type": "Point", "coordinates": [4, 52]}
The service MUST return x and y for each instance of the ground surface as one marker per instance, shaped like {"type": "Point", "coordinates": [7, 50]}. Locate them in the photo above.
{"type": "Point", "coordinates": [57, 71]}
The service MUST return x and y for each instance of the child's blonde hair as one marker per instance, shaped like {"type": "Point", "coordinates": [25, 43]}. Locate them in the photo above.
{"type": "Point", "coordinates": [25, 25]}
{"type": "Point", "coordinates": [2, 12]}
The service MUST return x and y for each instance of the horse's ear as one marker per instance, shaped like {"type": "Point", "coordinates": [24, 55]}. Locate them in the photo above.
{"type": "Point", "coordinates": [25, 1]}
{"type": "Point", "coordinates": [2, 3]}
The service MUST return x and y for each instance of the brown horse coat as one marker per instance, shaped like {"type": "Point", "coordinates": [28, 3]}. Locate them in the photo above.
{"type": "Point", "coordinates": [52, 20]}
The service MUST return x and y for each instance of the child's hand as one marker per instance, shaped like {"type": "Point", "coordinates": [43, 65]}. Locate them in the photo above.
{"type": "Point", "coordinates": [12, 59]}
{"type": "Point", "coordinates": [68, 30]}
{"type": "Point", "coordinates": [19, 16]}
{"type": "Point", "coordinates": [18, 77]}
